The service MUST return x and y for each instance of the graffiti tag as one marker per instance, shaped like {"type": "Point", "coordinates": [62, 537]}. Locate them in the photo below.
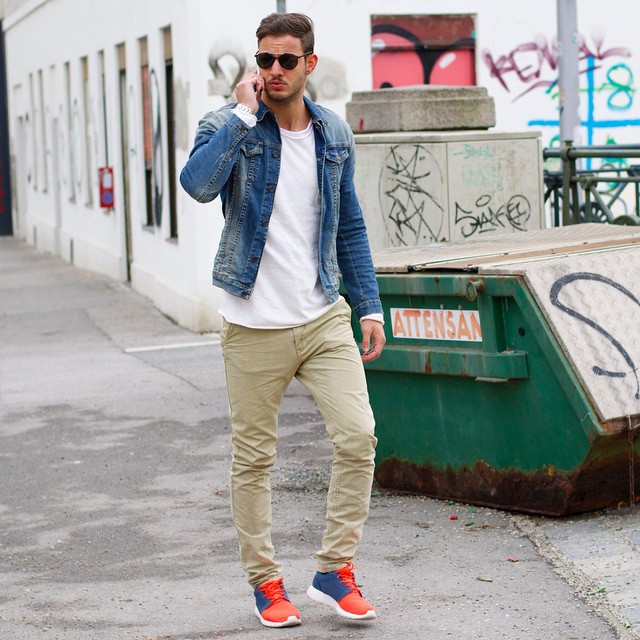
{"type": "Point", "coordinates": [554, 294]}
{"type": "Point", "coordinates": [528, 62]}
{"type": "Point", "coordinates": [489, 177]}
{"type": "Point", "coordinates": [410, 190]}
{"type": "Point", "coordinates": [486, 217]}
{"type": "Point", "coordinates": [475, 151]}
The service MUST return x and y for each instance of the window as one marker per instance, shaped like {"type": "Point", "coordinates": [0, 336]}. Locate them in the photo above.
{"type": "Point", "coordinates": [71, 146]}
{"type": "Point", "coordinates": [43, 133]}
{"type": "Point", "coordinates": [121, 55]}
{"type": "Point", "coordinates": [171, 132]}
{"type": "Point", "coordinates": [103, 107]}
{"type": "Point", "coordinates": [147, 130]}
{"type": "Point", "coordinates": [86, 113]}
{"type": "Point", "coordinates": [33, 131]}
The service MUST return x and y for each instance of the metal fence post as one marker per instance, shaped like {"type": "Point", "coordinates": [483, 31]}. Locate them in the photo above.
{"type": "Point", "coordinates": [568, 175]}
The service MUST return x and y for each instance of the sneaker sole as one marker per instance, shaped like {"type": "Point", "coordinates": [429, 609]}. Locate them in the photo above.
{"type": "Point", "coordinates": [291, 621]}
{"type": "Point", "coordinates": [319, 596]}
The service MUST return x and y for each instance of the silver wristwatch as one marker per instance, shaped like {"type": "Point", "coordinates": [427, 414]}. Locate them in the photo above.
{"type": "Point", "coordinates": [242, 108]}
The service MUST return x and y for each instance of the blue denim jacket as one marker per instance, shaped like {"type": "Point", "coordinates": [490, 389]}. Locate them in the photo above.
{"type": "Point", "coordinates": [242, 164]}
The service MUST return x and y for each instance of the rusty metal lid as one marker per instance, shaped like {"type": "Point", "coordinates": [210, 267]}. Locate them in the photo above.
{"type": "Point", "coordinates": [497, 251]}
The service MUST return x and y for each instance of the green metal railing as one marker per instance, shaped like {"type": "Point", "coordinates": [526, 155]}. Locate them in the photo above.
{"type": "Point", "coordinates": [577, 195]}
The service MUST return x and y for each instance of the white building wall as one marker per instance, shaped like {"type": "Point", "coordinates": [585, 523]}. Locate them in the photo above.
{"type": "Point", "coordinates": [515, 60]}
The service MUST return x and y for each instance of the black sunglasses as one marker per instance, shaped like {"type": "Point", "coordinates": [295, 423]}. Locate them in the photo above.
{"type": "Point", "coordinates": [287, 61]}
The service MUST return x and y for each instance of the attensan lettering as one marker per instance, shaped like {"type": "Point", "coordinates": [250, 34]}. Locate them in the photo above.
{"type": "Point", "coordinates": [461, 325]}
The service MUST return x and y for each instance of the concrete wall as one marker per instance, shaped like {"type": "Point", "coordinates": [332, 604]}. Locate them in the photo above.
{"type": "Point", "coordinates": [60, 139]}
{"type": "Point", "coordinates": [56, 148]}
{"type": "Point", "coordinates": [421, 187]}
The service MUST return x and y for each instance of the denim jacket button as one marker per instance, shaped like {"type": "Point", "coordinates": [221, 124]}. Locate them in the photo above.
{"type": "Point", "coordinates": [275, 154]}
{"type": "Point", "coordinates": [272, 188]}
{"type": "Point", "coordinates": [254, 258]}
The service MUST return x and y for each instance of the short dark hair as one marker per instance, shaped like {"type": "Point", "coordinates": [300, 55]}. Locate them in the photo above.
{"type": "Point", "coordinates": [294, 24]}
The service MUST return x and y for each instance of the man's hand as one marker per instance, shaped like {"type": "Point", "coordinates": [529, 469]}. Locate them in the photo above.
{"type": "Point", "coordinates": [373, 339]}
{"type": "Point", "coordinates": [249, 90]}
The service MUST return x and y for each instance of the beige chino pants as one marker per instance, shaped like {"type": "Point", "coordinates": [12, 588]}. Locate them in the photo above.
{"type": "Point", "coordinates": [259, 365]}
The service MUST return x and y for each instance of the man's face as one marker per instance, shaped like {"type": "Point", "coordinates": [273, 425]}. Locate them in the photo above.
{"type": "Point", "coordinates": [281, 85]}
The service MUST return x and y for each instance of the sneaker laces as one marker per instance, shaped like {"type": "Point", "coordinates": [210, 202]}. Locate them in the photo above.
{"type": "Point", "coordinates": [274, 591]}
{"type": "Point", "coordinates": [346, 576]}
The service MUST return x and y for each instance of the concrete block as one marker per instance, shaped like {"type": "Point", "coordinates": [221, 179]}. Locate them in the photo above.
{"type": "Point", "coordinates": [421, 108]}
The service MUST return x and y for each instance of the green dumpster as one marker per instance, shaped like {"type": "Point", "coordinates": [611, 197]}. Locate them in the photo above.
{"type": "Point", "coordinates": [510, 374]}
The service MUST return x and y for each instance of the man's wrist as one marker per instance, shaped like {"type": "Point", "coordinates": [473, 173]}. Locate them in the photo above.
{"type": "Point", "coordinates": [242, 108]}
{"type": "Point", "coordinates": [245, 114]}
{"type": "Point", "coordinates": [378, 317]}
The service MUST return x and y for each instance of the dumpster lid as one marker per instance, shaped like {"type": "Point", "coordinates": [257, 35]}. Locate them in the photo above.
{"type": "Point", "coordinates": [485, 254]}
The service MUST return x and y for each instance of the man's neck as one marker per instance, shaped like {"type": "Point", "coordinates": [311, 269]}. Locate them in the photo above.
{"type": "Point", "coordinates": [292, 117]}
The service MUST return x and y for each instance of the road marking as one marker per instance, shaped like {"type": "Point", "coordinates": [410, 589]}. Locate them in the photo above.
{"type": "Point", "coordinates": [165, 347]}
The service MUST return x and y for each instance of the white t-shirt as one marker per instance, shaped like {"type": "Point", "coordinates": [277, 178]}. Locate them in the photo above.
{"type": "Point", "coordinates": [287, 291]}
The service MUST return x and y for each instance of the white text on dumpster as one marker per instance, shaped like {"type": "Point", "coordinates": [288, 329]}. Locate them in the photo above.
{"type": "Point", "coordinates": [437, 324]}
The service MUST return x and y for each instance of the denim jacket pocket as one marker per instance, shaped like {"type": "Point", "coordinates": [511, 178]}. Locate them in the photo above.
{"type": "Point", "coordinates": [337, 154]}
{"type": "Point", "coordinates": [251, 148]}
{"type": "Point", "coordinates": [251, 153]}
{"type": "Point", "coordinates": [335, 160]}
{"type": "Point", "coordinates": [246, 171]}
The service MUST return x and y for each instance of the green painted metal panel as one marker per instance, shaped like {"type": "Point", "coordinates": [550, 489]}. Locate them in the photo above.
{"type": "Point", "coordinates": [458, 418]}
{"type": "Point", "coordinates": [452, 362]}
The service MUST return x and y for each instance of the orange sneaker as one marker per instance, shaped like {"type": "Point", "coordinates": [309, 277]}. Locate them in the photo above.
{"type": "Point", "coordinates": [273, 606]}
{"type": "Point", "coordinates": [338, 589]}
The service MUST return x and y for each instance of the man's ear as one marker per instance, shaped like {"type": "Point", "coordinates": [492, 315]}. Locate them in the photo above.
{"type": "Point", "coordinates": [312, 61]}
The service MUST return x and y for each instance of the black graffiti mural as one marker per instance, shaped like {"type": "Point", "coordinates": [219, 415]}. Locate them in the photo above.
{"type": "Point", "coordinates": [410, 191]}
{"type": "Point", "coordinates": [554, 294]}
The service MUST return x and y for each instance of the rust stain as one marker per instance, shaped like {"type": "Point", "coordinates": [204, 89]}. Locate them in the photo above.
{"type": "Point", "coordinates": [599, 484]}
{"type": "Point", "coordinates": [478, 283]}
{"type": "Point", "coordinates": [619, 425]}
{"type": "Point", "coordinates": [446, 370]}
{"type": "Point", "coordinates": [427, 366]}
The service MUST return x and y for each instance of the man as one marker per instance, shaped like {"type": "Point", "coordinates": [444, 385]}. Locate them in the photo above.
{"type": "Point", "coordinates": [283, 167]}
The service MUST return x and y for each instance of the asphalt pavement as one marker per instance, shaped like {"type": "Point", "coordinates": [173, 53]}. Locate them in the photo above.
{"type": "Point", "coordinates": [114, 516]}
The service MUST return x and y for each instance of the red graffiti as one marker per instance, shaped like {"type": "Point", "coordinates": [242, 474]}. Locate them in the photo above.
{"type": "Point", "coordinates": [531, 62]}
{"type": "Point", "coordinates": [412, 50]}
{"type": "Point", "coordinates": [454, 68]}
{"type": "Point", "coordinates": [400, 68]}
